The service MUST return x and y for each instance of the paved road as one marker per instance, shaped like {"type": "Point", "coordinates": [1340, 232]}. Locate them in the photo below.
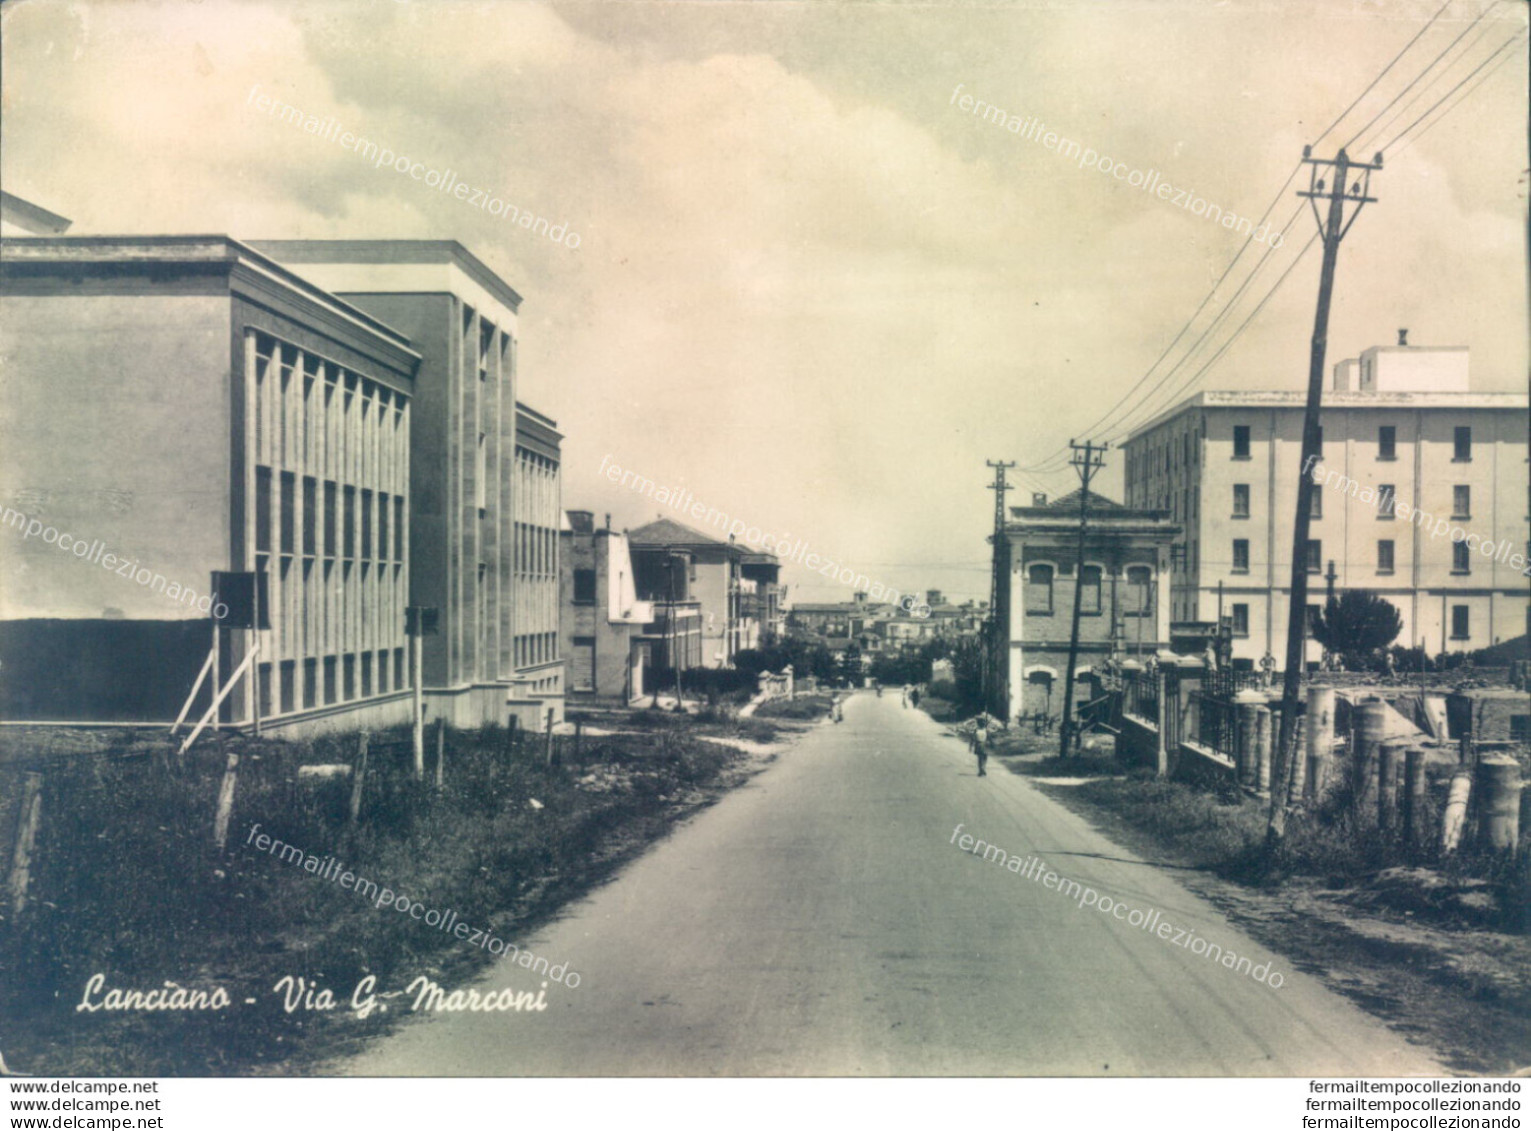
{"type": "Point", "coordinates": [820, 921]}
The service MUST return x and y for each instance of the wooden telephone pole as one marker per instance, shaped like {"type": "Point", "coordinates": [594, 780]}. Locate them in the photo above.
{"type": "Point", "coordinates": [1087, 460]}
{"type": "Point", "coordinates": [1349, 184]}
{"type": "Point", "coordinates": [996, 653]}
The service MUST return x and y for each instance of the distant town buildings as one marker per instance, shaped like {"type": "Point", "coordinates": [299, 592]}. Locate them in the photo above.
{"type": "Point", "coordinates": [1423, 500]}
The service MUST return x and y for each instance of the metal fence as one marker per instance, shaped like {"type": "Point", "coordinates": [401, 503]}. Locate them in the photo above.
{"type": "Point", "coordinates": [1142, 695]}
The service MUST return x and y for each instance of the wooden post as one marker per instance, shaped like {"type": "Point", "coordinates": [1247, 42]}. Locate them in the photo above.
{"type": "Point", "coordinates": [1413, 798]}
{"type": "Point", "coordinates": [1455, 816]}
{"type": "Point", "coordinates": [1371, 721]}
{"type": "Point", "coordinates": [1320, 735]}
{"type": "Point", "coordinates": [1499, 788]}
{"type": "Point", "coordinates": [550, 737]}
{"type": "Point", "coordinates": [358, 776]}
{"type": "Point", "coordinates": [417, 731]}
{"type": "Point", "coordinates": [441, 751]}
{"type": "Point", "coordinates": [512, 734]}
{"type": "Point", "coordinates": [225, 801]}
{"type": "Point", "coordinates": [1389, 762]}
{"type": "Point", "coordinates": [30, 816]}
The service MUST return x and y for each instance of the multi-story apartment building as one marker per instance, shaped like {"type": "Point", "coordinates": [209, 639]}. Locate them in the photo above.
{"type": "Point", "coordinates": [483, 473]}
{"type": "Point", "coordinates": [1122, 606]}
{"type": "Point", "coordinates": [603, 620]}
{"type": "Point", "coordinates": [1423, 500]}
{"type": "Point", "coordinates": [183, 405]}
{"type": "Point", "coordinates": [729, 585]}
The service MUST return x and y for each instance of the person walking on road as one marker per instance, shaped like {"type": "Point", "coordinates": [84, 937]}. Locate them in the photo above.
{"type": "Point", "coordinates": [981, 742]}
{"type": "Point", "coordinates": [835, 712]}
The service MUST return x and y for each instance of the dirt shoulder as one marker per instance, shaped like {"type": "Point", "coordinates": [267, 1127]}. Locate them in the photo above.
{"type": "Point", "coordinates": [128, 888]}
{"type": "Point", "coordinates": [1463, 991]}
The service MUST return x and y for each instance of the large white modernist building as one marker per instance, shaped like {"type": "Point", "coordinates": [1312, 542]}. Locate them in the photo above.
{"type": "Point", "coordinates": [1423, 500]}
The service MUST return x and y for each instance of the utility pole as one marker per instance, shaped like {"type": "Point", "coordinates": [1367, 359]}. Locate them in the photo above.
{"type": "Point", "coordinates": [1350, 183]}
{"type": "Point", "coordinates": [997, 652]}
{"type": "Point", "coordinates": [1087, 460]}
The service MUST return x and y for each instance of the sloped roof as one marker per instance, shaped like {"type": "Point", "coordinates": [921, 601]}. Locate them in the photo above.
{"type": "Point", "coordinates": [668, 532]}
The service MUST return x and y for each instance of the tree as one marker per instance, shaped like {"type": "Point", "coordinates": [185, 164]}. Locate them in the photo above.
{"type": "Point", "coordinates": [1357, 624]}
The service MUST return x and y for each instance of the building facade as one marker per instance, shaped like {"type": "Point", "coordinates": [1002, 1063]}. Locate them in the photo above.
{"type": "Point", "coordinates": [730, 587]}
{"type": "Point", "coordinates": [184, 405]}
{"type": "Point", "coordinates": [1422, 498]}
{"type": "Point", "coordinates": [603, 621]}
{"type": "Point", "coordinates": [537, 680]}
{"type": "Point", "coordinates": [484, 473]}
{"type": "Point", "coordinates": [1123, 612]}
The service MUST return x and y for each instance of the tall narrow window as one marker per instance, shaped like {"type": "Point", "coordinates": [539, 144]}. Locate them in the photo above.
{"type": "Point", "coordinates": [1139, 591]}
{"type": "Point", "coordinates": [1039, 590]}
{"type": "Point", "coordinates": [1461, 501]}
{"type": "Point", "coordinates": [1316, 502]}
{"type": "Point", "coordinates": [1241, 441]}
{"type": "Point", "coordinates": [1089, 598]}
{"type": "Point", "coordinates": [1241, 620]}
{"type": "Point", "coordinates": [1241, 500]}
{"type": "Point", "coordinates": [1315, 555]}
{"type": "Point", "coordinates": [1387, 442]}
{"type": "Point", "coordinates": [1462, 444]}
{"type": "Point", "coordinates": [1460, 560]}
{"type": "Point", "coordinates": [1459, 622]}
{"type": "Point", "coordinates": [1387, 501]}
{"type": "Point", "coordinates": [1385, 556]}
{"type": "Point", "coordinates": [1241, 555]}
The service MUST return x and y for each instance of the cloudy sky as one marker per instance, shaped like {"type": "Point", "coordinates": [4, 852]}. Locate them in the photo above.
{"type": "Point", "coordinates": [811, 287]}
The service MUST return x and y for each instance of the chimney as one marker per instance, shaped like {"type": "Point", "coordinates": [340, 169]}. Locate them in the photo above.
{"type": "Point", "coordinates": [1038, 499]}
{"type": "Point", "coordinates": [608, 520]}
{"type": "Point", "coordinates": [1403, 336]}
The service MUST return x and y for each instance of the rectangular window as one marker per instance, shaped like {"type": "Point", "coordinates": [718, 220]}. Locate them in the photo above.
{"type": "Point", "coordinates": [584, 586]}
{"type": "Point", "coordinates": [1462, 445]}
{"type": "Point", "coordinates": [331, 518]}
{"type": "Point", "coordinates": [263, 510]}
{"type": "Point", "coordinates": [1387, 442]}
{"type": "Point", "coordinates": [1384, 556]}
{"type": "Point", "coordinates": [1315, 555]}
{"type": "Point", "coordinates": [1387, 502]}
{"type": "Point", "coordinates": [1241, 620]}
{"type": "Point", "coordinates": [1241, 441]}
{"type": "Point", "coordinates": [398, 528]}
{"type": "Point", "coordinates": [366, 523]}
{"type": "Point", "coordinates": [1089, 599]}
{"type": "Point", "coordinates": [348, 526]}
{"type": "Point", "coordinates": [1316, 502]}
{"type": "Point", "coordinates": [310, 515]}
{"type": "Point", "coordinates": [1039, 590]}
{"type": "Point", "coordinates": [1241, 555]}
{"type": "Point", "coordinates": [1459, 622]}
{"type": "Point", "coordinates": [1461, 501]}
{"type": "Point", "coordinates": [289, 510]}
{"type": "Point", "coordinates": [1460, 562]}
{"type": "Point", "coordinates": [1320, 447]}
{"type": "Point", "coordinates": [1241, 500]}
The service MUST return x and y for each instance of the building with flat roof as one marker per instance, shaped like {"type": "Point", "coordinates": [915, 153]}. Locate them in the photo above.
{"type": "Point", "coordinates": [484, 473]}
{"type": "Point", "coordinates": [603, 621]}
{"type": "Point", "coordinates": [1121, 577]}
{"type": "Point", "coordinates": [1423, 499]}
{"type": "Point", "coordinates": [178, 405]}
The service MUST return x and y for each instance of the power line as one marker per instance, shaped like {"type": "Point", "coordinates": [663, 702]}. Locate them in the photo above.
{"type": "Point", "coordinates": [1058, 459]}
{"type": "Point", "coordinates": [1466, 94]}
{"type": "Point", "coordinates": [1421, 74]}
{"type": "Point", "coordinates": [1434, 79]}
{"type": "Point", "coordinates": [1507, 43]}
{"type": "Point", "coordinates": [1430, 23]}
